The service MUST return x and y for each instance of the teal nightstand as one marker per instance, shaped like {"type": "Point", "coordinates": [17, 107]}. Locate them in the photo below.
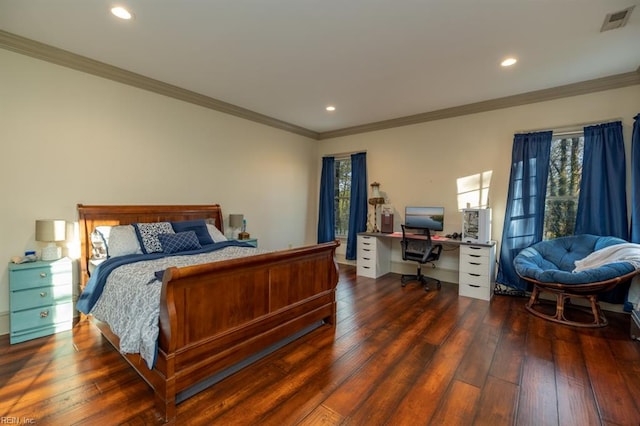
{"type": "Point", "coordinates": [252, 241]}
{"type": "Point", "coordinates": [40, 299]}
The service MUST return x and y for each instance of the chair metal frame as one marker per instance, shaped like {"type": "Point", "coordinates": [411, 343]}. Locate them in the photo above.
{"type": "Point", "coordinates": [419, 247]}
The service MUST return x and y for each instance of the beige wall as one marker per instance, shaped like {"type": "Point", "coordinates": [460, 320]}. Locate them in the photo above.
{"type": "Point", "coordinates": [420, 164]}
{"type": "Point", "coordinates": [69, 137]}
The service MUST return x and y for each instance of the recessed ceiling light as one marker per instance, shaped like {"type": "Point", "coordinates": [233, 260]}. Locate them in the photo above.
{"type": "Point", "coordinates": [121, 12]}
{"type": "Point", "coordinates": [508, 62]}
{"type": "Point", "coordinates": [330, 108]}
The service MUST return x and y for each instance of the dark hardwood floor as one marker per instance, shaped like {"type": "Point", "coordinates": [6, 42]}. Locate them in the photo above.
{"type": "Point", "coordinates": [398, 356]}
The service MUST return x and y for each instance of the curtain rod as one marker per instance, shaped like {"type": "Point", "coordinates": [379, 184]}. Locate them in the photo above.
{"type": "Point", "coordinates": [345, 154]}
{"type": "Point", "coordinates": [570, 129]}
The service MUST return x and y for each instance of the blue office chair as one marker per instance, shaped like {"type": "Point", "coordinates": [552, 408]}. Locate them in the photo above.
{"type": "Point", "coordinates": [417, 246]}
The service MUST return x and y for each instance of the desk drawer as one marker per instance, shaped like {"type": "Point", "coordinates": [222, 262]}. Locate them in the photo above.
{"type": "Point", "coordinates": [474, 279]}
{"type": "Point", "coordinates": [367, 252]}
{"type": "Point", "coordinates": [477, 292]}
{"type": "Point", "coordinates": [373, 256]}
{"type": "Point", "coordinates": [474, 265]}
{"type": "Point", "coordinates": [367, 246]}
{"type": "Point", "coordinates": [367, 259]}
{"type": "Point", "coordinates": [365, 240]}
{"type": "Point", "coordinates": [366, 271]}
{"type": "Point", "coordinates": [474, 251]}
{"type": "Point", "coordinates": [476, 271]}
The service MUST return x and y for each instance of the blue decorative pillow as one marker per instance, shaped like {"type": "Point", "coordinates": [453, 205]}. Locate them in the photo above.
{"type": "Point", "coordinates": [181, 241]}
{"type": "Point", "coordinates": [148, 235]}
{"type": "Point", "coordinates": [197, 226]}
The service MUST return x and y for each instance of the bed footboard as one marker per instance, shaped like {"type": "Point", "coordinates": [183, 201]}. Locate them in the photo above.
{"type": "Point", "coordinates": [216, 315]}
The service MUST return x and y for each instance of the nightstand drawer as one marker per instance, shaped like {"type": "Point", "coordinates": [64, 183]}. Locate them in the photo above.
{"type": "Point", "coordinates": [41, 317]}
{"type": "Point", "coordinates": [58, 273]}
{"type": "Point", "coordinates": [42, 296]}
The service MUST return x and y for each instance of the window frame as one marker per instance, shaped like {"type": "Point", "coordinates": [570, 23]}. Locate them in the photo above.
{"type": "Point", "coordinates": [548, 232]}
{"type": "Point", "coordinates": [342, 196]}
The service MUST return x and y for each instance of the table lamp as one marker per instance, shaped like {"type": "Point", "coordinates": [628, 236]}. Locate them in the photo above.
{"type": "Point", "coordinates": [50, 231]}
{"type": "Point", "coordinates": [375, 200]}
{"type": "Point", "coordinates": [235, 223]}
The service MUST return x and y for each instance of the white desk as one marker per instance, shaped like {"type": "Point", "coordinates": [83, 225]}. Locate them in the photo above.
{"type": "Point", "coordinates": [476, 273]}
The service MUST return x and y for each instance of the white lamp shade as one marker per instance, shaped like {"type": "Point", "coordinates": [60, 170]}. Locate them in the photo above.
{"type": "Point", "coordinates": [235, 220]}
{"type": "Point", "coordinates": [375, 190]}
{"type": "Point", "coordinates": [51, 230]}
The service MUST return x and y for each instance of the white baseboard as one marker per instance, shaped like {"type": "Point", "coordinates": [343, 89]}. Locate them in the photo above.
{"type": "Point", "coordinates": [340, 258]}
{"type": "Point", "coordinates": [442, 274]}
{"type": "Point", "coordinates": [446, 275]}
{"type": "Point", "coordinates": [452, 276]}
{"type": "Point", "coordinates": [605, 306]}
{"type": "Point", "coordinates": [4, 323]}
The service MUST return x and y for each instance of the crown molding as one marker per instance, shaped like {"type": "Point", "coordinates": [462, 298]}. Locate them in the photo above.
{"type": "Point", "coordinates": [65, 58]}
{"type": "Point", "coordinates": [574, 89]}
{"type": "Point", "coordinates": [25, 46]}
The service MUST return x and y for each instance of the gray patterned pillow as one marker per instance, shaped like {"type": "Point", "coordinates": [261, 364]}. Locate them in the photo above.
{"type": "Point", "coordinates": [148, 235]}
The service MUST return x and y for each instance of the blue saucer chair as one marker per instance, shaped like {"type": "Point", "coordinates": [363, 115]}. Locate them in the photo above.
{"type": "Point", "coordinates": [548, 265]}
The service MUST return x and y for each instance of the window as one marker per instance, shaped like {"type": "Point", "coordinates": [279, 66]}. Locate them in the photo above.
{"type": "Point", "coordinates": [563, 185]}
{"type": "Point", "coordinates": [473, 190]}
{"type": "Point", "coordinates": [342, 195]}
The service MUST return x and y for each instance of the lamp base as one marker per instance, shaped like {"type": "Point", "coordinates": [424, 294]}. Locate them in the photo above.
{"type": "Point", "coordinates": [243, 236]}
{"type": "Point", "coordinates": [51, 252]}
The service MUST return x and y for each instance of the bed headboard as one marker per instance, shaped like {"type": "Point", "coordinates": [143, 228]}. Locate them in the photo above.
{"type": "Point", "coordinates": [91, 216]}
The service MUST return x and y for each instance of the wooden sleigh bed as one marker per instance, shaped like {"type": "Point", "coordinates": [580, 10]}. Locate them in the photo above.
{"type": "Point", "coordinates": [216, 317]}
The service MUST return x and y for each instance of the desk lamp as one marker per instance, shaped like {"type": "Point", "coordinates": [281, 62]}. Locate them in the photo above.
{"type": "Point", "coordinates": [375, 200]}
{"type": "Point", "coordinates": [51, 231]}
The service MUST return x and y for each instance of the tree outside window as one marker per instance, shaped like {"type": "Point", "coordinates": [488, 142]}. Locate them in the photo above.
{"type": "Point", "coordinates": [342, 195]}
{"type": "Point", "coordinates": [563, 186]}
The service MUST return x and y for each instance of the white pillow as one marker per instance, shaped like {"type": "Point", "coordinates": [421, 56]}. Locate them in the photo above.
{"type": "Point", "coordinates": [215, 233]}
{"type": "Point", "coordinates": [98, 239]}
{"type": "Point", "coordinates": [122, 241]}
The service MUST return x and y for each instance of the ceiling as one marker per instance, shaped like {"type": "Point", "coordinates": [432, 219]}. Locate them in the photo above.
{"type": "Point", "coordinates": [374, 60]}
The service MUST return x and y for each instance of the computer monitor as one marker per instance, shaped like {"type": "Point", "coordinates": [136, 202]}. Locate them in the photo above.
{"type": "Point", "coordinates": [431, 218]}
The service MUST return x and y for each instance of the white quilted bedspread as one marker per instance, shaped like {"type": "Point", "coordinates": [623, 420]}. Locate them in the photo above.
{"type": "Point", "coordinates": [130, 302]}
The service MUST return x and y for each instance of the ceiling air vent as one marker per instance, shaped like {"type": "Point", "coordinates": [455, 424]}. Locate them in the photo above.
{"type": "Point", "coordinates": [616, 19]}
